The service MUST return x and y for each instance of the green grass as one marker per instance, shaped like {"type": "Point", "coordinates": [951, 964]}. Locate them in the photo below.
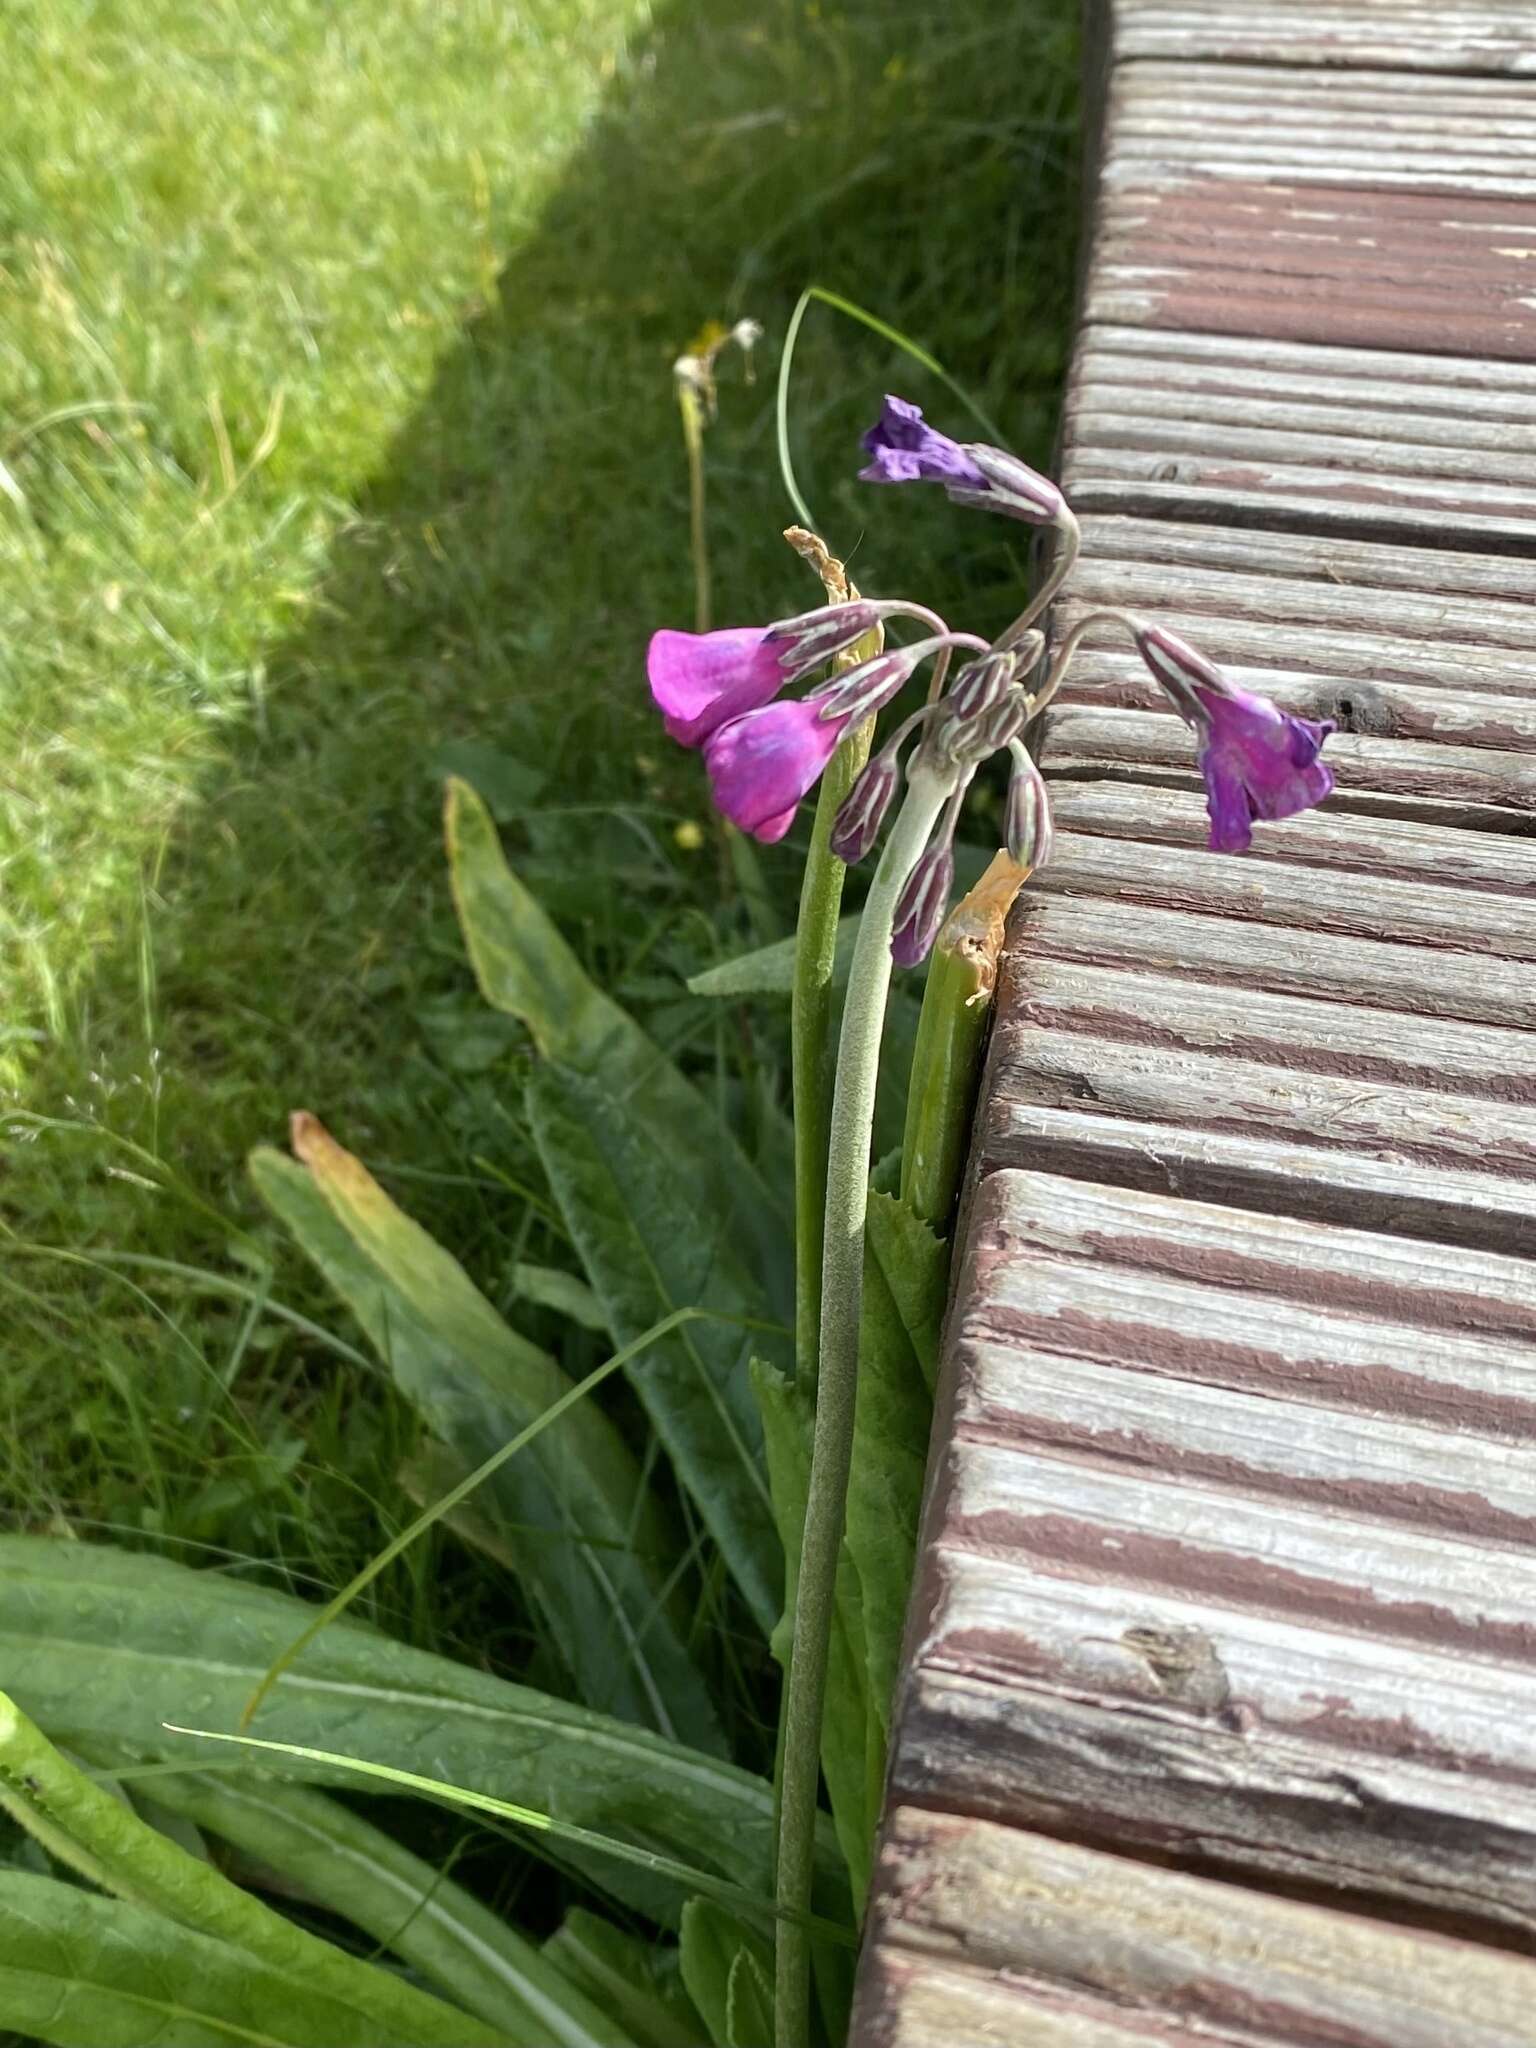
{"type": "Point", "coordinates": [337, 431]}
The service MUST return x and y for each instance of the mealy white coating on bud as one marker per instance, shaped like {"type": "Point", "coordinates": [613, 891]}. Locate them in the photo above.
{"type": "Point", "coordinates": [862, 690]}
{"type": "Point", "coordinates": [921, 906]}
{"type": "Point", "coordinates": [980, 684]}
{"type": "Point", "coordinates": [1181, 669]}
{"type": "Point", "coordinates": [814, 637]}
{"type": "Point", "coordinates": [1012, 486]}
{"type": "Point", "coordinates": [862, 812]}
{"type": "Point", "coordinates": [1028, 832]}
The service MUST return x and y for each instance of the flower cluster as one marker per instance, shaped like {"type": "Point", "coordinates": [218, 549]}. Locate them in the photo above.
{"type": "Point", "coordinates": [763, 752]}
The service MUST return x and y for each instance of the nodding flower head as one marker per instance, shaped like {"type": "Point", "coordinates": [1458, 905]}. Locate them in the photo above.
{"type": "Point", "coordinates": [1028, 832]}
{"type": "Point", "coordinates": [1256, 760]}
{"type": "Point", "coordinates": [761, 764]}
{"type": "Point", "coordinates": [905, 449]}
{"type": "Point", "coordinates": [922, 903]}
{"type": "Point", "coordinates": [862, 811]}
{"type": "Point", "coordinates": [701, 680]}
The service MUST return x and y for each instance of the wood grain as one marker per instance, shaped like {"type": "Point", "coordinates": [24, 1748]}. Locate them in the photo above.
{"type": "Point", "coordinates": [1223, 1647]}
{"type": "Point", "coordinates": [1196, 426]}
{"type": "Point", "coordinates": [1495, 37]}
{"type": "Point", "coordinates": [1381, 210]}
{"type": "Point", "coordinates": [1097, 1951]}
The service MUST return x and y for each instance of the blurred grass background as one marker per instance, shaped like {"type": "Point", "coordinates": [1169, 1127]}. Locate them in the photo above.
{"type": "Point", "coordinates": [338, 445]}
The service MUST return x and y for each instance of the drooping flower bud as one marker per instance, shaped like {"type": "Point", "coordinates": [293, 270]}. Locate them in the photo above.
{"type": "Point", "coordinates": [862, 811]}
{"type": "Point", "coordinates": [1028, 832]}
{"type": "Point", "coordinates": [921, 906]}
{"type": "Point", "coordinates": [859, 692]}
{"type": "Point", "coordinates": [981, 683]}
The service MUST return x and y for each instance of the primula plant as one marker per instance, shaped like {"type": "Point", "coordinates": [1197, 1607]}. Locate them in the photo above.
{"type": "Point", "coordinates": [780, 1346]}
{"type": "Point", "coordinates": [763, 751]}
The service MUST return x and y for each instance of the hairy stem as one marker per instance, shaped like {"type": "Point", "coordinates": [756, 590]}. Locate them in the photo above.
{"type": "Point", "coordinates": [842, 1290]}
{"type": "Point", "coordinates": [1069, 546]}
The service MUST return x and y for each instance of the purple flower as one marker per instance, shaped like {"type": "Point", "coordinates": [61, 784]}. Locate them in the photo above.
{"type": "Point", "coordinates": [700, 680]}
{"type": "Point", "coordinates": [761, 764]}
{"type": "Point", "coordinates": [1257, 760]}
{"type": "Point", "coordinates": [905, 451]}
{"type": "Point", "coordinates": [922, 903]}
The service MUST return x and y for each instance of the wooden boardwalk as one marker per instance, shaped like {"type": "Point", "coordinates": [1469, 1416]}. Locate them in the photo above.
{"type": "Point", "coordinates": [1218, 1722]}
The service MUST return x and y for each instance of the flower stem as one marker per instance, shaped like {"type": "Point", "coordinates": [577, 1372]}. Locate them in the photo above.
{"type": "Point", "coordinates": [1069, 546]}
{"type": "Point", "coordinates": [842, 1290]}
{"type": "Point", "coordinates": [821, 900]}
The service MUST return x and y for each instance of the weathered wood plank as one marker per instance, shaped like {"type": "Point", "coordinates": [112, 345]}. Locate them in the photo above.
{"type": "Point", "coordinates": [1279, 434]}
{"type": "Point", "coordinates": [1095, 1951]}
{"type": "Point", "coordinates": [1385, 211]}
{"type": "Point", "coordinates": [1328, 844]}
{"type": "Point", "coordinates": [1496, 37]}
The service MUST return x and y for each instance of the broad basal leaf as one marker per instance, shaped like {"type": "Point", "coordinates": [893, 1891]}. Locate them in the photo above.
{"type": "Point", "coordinates": [729, 1974]}
{"type": "Point", "coordinates": [652, 1242]}
{"type": "Point", "coordinates": [103, 1646]}
{"type": "Point", "coordinates": [526, 968]}
{"type": "Point", "coordinates": [84, 1971]}
{"type": "Point", "coordinates": [333, 1857]}
{"type": "Point", "coordinates": [571, 1506]}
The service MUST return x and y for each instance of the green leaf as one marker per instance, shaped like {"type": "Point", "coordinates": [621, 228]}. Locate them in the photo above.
{"type": "Point", "coordinates": [749, 2001]}
{"type": "Point", "coordinates": [526, 968]}
{"type": "Point", "coordinates": [592, 1553]}
{"type": "Point", "coordinates": [337, 1859]}
{"type": "Point", "coordinates": [914, 1262]}
{"type": "Point", "coordinates": [893, 1418]}
{"type": "Point", "coordinates": [788, 1421]}
{"type": "Point", "coordinates": [107, 1646]}
{"type": "Point", "coordinates": [82, 1971]}
{"type": "Point", "coordinates": [651, 1243]}
{"type": "Point", "coordinates": [769, 970]}
{"type": "Point", "coordinates": [713, 1944]}
{"type": "Point", "coordinates": [549, 1287]}
{"type": "Point", "coordinates": [93, 1829]}
{"type": "Point", "coordinates": [637, 1982]}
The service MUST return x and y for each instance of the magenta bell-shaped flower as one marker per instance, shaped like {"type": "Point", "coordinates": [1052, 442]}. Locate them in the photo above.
{"type": "Point", "coordinates": [761, 764]}
{"type": "Point", "coordinates": [701, 680]}
{"type": "Point", "coordinates": [1257, 761]}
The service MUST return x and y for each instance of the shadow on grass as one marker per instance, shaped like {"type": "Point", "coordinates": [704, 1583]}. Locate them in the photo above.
{"type": "Point", "coordinates": [499, 579]}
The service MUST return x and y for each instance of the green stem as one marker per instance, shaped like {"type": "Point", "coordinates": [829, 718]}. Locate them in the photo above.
{"type": "Point", "coordinates": [842, 1289]}
{"type": "Point", "coordinates": [821, 902]}
{"type": "Point", "coordinates": [698, 540]}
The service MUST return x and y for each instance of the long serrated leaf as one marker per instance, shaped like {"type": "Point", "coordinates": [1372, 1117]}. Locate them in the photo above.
{"type": "Point", "coordinates": [81, 1971]}
{"type": "Point", "coordinates": [342, 1862]}
{"type": "Point", "coordinates": [635, 1981]}
{"type": "Point", "coordinates": [525, 968]}
{"type": "Point", "coordinates": [592, 1553]}
{"type": "Point", "coordinates": [652, 1244]}
{"type": "Point", "coordinates": [101, 1645]}
{"type": "Point", "coordinates": [914, 1261]}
